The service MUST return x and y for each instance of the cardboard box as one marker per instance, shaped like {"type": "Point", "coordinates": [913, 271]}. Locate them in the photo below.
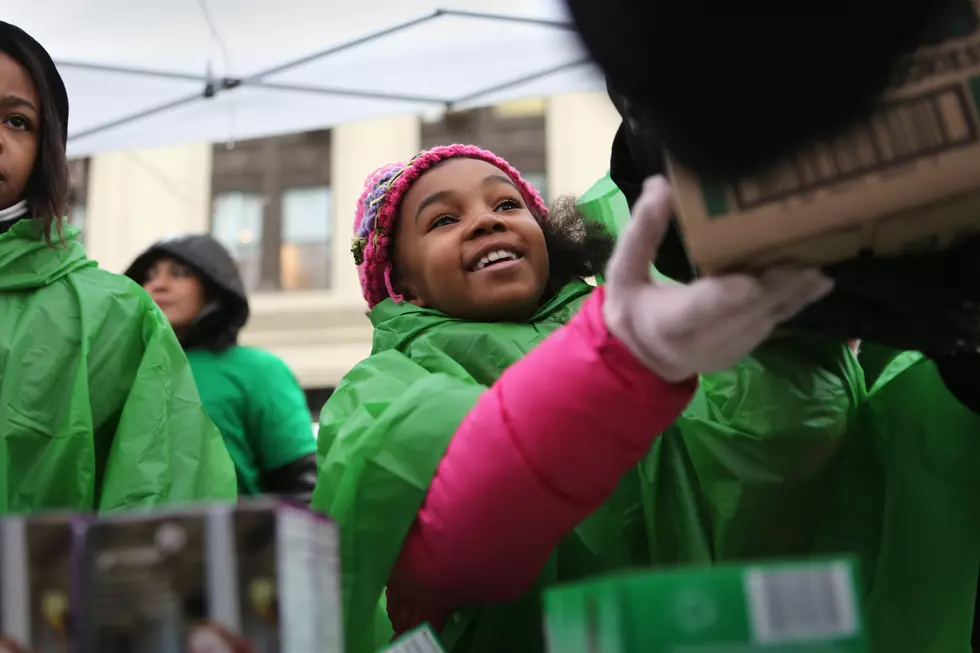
{"type": "Point", "coordinates": [801, 607]}
{"type": "Point", "coordinates": [256, 578]}
{"type": "Point", "coordinates": [906, 180]}
{"type": "Point", "coordinates": [35, 584]}
{"type": "Point", "coordinates": [420, 640]}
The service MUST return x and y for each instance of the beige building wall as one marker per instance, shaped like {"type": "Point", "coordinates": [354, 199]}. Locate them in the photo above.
{"type": "Point", "coordinates": [580, 129]}
{"type": "Point", "coordinates": [137, 197]}
{"type": "Point", "coordinates": [321, 335]}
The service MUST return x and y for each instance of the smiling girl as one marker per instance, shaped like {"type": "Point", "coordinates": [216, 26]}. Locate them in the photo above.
{"type": "Point", "coordinates": [503, 432]}
{"type": "Point", "coordinates": [98, 408]}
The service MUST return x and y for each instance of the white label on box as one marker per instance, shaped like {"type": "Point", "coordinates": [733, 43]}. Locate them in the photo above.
{"type": "Point", "coordinates": [326, 576]}
{"type": "Point", "coordinates": [309, 587]}
{"type": "Point", "coordinates": [421, 641]}
{"type": "Point", "coordinates": [222, 567]}
{"type": "Point", "coordinates": [15, 619]}
{"type": "Point", "coordinates": [814, 602]}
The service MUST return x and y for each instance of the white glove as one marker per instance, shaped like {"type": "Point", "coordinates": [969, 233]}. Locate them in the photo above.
{"type": "Point", "coordinates": [679, 331]}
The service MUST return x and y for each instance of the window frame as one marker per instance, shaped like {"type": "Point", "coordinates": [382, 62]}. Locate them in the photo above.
{"type": "Point", "coordinates": [269, 167]}
{"type": "Point", "coordinates": [521, 140]}
{"type": "Point", "coordinates": [78, 179]}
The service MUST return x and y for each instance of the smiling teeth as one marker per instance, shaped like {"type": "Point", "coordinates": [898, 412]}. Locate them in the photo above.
{"type": "Point", "coordinates": [492, 257]}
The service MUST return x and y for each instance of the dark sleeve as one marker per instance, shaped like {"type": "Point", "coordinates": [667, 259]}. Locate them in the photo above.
{"type": "Point", "coordinates": [961, 376]}
{"type": "Point", "coordinates": [295, 479]}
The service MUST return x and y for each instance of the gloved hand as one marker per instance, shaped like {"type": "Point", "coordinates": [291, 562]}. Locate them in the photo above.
{"type": "Point", "coordinates": [679, 330]}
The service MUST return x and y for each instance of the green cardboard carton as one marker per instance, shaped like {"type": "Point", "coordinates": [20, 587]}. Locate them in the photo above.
{"type": "Point", "coordinates": [786, 607]}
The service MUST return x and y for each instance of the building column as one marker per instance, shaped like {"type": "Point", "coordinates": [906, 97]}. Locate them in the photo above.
{"type": "Point", "coordinates": [580, 129]}
{"type": "Point", "coordinates": [358, 149]}
{"type": "Point", "coordinates": [321, 335]}
{"type": "Point", "coordinates": [138, 196]}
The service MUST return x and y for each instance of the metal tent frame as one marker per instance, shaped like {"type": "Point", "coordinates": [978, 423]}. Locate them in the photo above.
{"type": "Point", "coordinates": [212, 86]}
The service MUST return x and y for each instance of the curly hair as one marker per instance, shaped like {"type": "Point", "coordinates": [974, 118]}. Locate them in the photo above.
{"type": "Point", "coordinates": [577, 248]}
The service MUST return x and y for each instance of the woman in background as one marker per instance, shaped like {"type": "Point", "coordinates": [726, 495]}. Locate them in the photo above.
{"type": "Point", "coordinates": [250, 394]}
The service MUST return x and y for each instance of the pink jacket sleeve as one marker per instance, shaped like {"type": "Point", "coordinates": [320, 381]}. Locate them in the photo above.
{"type": "Point", "coordinates": [542, 449]}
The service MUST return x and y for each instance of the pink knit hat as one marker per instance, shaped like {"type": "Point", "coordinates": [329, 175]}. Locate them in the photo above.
{"type": "Point", "coordinates": [378, 206]}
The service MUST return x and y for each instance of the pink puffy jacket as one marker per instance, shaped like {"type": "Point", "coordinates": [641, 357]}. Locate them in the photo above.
{"type": "Point", "coordinates": [542, 449]}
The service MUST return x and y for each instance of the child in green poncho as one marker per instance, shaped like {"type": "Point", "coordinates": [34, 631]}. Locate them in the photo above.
{"type": "Point", "coordinates": [98, 408]}
{"type": "Point", "coordinates": [503, 435]}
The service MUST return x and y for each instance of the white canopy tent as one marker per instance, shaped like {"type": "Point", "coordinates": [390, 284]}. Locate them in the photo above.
{"type": "Point", "coordinates": [147, 74]}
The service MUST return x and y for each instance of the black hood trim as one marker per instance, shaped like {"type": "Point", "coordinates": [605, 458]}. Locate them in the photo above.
{"type": "Point", "coordinates": [218, 324]}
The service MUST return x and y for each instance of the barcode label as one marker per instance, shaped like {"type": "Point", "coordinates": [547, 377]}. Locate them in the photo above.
{"type": "Point", "coordinates": [898, 133]}
{"type": "Point", "coordinates": [798, 604]}
{"type": "Point", "coordinates": [421, 641]}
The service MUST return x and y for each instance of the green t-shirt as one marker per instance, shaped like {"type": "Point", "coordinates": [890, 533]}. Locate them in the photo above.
{"type": "Point", "coordinates": [256, 402]}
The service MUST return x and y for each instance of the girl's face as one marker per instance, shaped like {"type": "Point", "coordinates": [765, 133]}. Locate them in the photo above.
{"type": "Point", "coordinates": [20, 125]}
{"type": "Point", "coordinates": [467, 244]}
{"type": "Point", "coordinates": [176, 290]}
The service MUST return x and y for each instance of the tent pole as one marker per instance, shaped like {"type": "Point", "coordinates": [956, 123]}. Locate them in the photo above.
{"type": "Point", "coordinates": [123, 70]}
{"type": "Point", "coordinates": [479, 15]}
{"type": "Point", "coordinates": [516, 82]}
{"type": "Point", "coordinates": [136, 116]}
{"type": "Point", "coordinates": [256, 79]}
{"type": "Point", "coordinates": [326, 90]}
{"type": "Point", "coordinates": [361, 40]}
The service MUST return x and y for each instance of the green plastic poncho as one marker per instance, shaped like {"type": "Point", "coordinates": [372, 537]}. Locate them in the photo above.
{"type": "Point", "coordinates": [908, 503]}
{"type": "Point", "coordinates": [907, 495]}
{"type": "Point", "coordinates": [98, 408]}
{"type": "Point", "coordinates": [740, 474]}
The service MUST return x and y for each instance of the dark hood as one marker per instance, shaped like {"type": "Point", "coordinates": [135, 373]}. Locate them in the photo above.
{"type": "Point", "coordinates": [218, 324]}
{"type": "Point", "coordinates": [11, 37]}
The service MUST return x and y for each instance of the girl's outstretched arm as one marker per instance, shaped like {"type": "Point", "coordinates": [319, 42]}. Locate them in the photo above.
{"type": "Point", "coordinates": [542, 449]}
{"type": "Point", "coordinates": [550, 440]}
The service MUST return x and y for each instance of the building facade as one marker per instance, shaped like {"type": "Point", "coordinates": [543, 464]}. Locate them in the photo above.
{"type": "Point", "coordinates": [285, 207]}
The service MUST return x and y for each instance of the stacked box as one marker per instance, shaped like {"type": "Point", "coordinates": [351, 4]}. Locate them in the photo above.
{"type": "Point", "coordinates": [259, 577]}
{"type": "Point", "coordinates": [35, 583]}
{"type": "Point", "coordinates": [906, 179]}
{"type": "Point", "coordinates": [793, 607]}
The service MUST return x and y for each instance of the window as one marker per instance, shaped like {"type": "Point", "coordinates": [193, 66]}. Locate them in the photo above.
{"type": "Point", "coordinates": [236, 222]}
{"type": "Point", "coordinates": [515, 131]}
{"type": "Point", "coordinates": [273, 208]}
{"type": "Point", "coordinates": [78, 194]}
{"type": "Point", "coordinates": [306, 227]}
